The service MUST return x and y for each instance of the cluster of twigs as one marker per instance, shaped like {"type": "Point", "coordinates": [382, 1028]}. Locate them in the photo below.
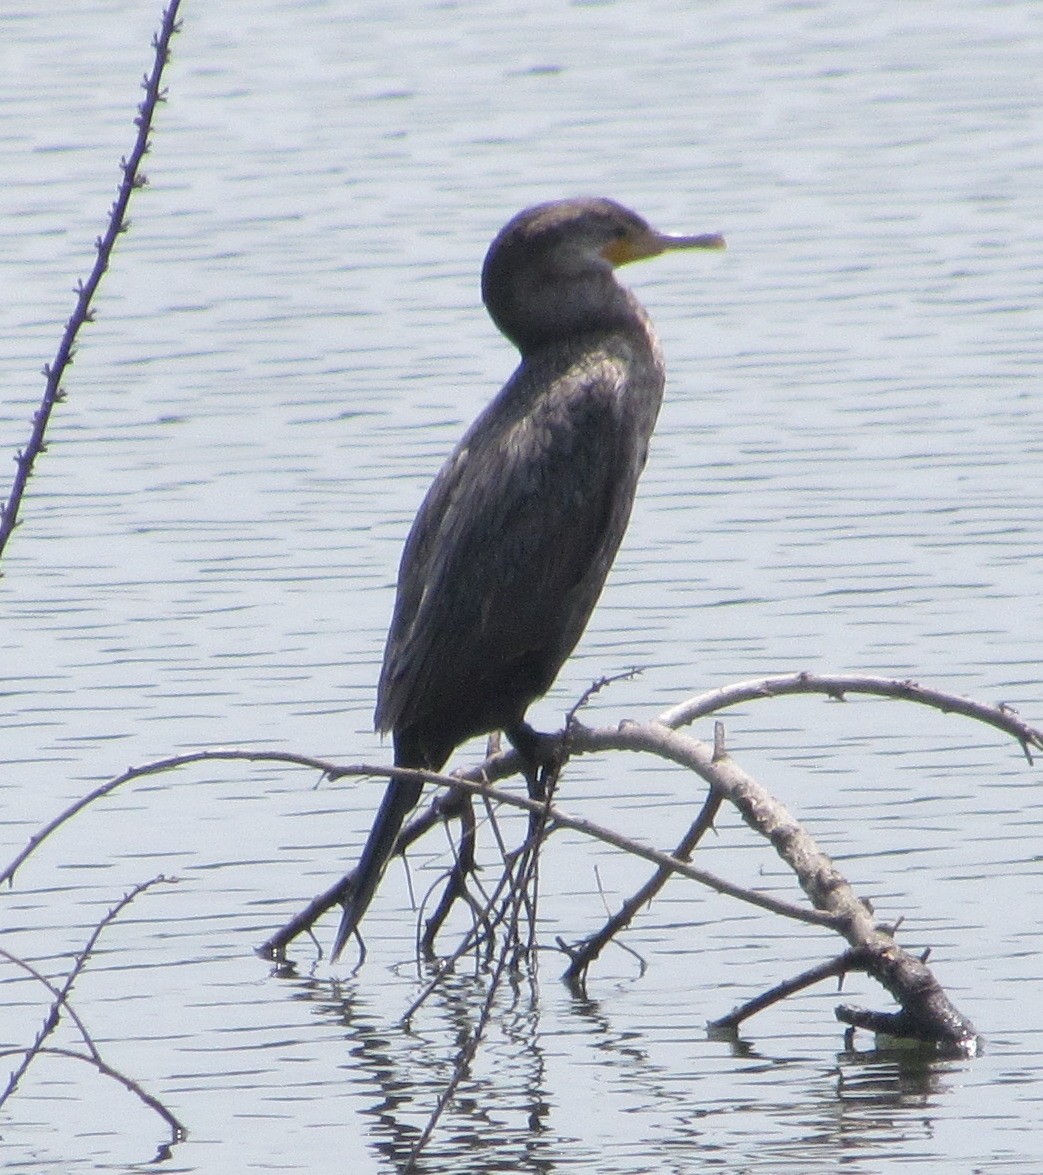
{"type": "Point", "coordinates": [925, 1012]}
{"type": "Point", "coordinates": [502, 915]}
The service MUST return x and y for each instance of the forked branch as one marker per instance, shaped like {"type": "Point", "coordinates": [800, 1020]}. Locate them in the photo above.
{"type": "Point", "coordinates": [61, 1005]}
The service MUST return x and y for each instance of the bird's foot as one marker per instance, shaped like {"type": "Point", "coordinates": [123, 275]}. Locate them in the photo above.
{"type": "Point", "coordinates": [543, 755]}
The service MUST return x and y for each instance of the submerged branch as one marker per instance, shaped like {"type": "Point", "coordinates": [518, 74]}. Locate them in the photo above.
{"type": "Point", "coordinates": [178, 1132]}
{"type": "Point", "coordinates": [851, 960]}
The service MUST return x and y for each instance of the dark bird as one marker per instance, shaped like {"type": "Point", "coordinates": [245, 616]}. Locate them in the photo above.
{"type": "Point", "coordinates": [510, 549]}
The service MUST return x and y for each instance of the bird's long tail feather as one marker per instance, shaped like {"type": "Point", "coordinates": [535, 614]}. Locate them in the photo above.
{"type": "Point", "coordinates": [399, 799]}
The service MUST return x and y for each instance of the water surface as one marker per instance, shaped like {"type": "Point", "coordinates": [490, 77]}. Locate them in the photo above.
{"type": "Point", "coordinates": [846, 476]}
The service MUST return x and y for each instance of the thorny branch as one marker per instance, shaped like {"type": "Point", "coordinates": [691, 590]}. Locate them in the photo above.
{"type": "Point", "coordinates": [131, 180]}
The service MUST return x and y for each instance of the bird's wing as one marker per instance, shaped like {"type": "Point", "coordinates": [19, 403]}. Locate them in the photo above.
{"type": "Point", "coordinates": [511, 547]}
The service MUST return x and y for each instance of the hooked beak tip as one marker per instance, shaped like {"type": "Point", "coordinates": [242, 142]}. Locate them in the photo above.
{"type": "Point", "coordinates": [702, 241]}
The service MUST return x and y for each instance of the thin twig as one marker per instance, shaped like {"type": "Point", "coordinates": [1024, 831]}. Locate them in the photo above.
{"type": "Point", "coordinates": [178, 1132]}
{"type": "Point", "coordinates": [519, 903]}
{"type": "Point", "coordinates": [497, 910]}
{"type": "Point", "coordinates": [583, 954]}
{"type": "Point", "coordinates": [157, 768]}
{"type": "Point", "coordinates": [88, 1040]}
{"type": "Point", "coordinates": [456, 882]}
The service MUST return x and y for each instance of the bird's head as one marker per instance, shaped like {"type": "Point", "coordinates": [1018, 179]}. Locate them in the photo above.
{"type": "Point", "coordinates": [549, 270]}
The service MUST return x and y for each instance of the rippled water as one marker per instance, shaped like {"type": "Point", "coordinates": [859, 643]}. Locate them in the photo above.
{"type": "Point", "coordinates": [846, 475]}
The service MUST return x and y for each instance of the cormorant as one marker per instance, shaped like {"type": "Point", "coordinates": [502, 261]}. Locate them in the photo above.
{"type": "Point", "coordinates": [510, 549]}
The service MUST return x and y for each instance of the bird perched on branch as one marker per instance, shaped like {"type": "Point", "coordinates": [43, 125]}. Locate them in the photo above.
{"type": "Point", "coordinates": [511, 546]}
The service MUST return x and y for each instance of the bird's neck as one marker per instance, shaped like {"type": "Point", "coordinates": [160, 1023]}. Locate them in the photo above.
{"type": "Point", "coordinates": [552, 313]}
{"type": "Point", "coordinates": [626, 330]}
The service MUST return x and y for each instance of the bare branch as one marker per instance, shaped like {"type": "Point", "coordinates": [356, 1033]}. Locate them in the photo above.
{"type": "Point", "coordinates": [70, 1010]}
{"type": "Point", "coordinates": [583, 954]}
{"type": "Point", "coordinates": [925, 1010]}
{"type": "Point", "coordinates": [837, 686]}
{"type": "Point", "coordinates": [156, 768]}
{"type": "Point", "coordinates": [473, 783]}
{"type": "Point", "coordinates": [926, 1013]}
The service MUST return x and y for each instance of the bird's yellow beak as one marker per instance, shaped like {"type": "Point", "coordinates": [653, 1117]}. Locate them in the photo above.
{"type": "Point", "coordinates": [623, 250]}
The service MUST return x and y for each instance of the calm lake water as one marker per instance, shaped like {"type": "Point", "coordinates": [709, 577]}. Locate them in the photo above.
{"type": "Point", "coordinates": [847, 476]}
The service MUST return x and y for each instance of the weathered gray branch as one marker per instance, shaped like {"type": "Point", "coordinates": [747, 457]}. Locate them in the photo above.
{"type": "Point", "coordinates": [926, 1012]}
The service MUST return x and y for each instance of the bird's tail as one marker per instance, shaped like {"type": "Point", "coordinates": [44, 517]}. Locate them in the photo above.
{"type": "Point", "coordinates": [399, 799]}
